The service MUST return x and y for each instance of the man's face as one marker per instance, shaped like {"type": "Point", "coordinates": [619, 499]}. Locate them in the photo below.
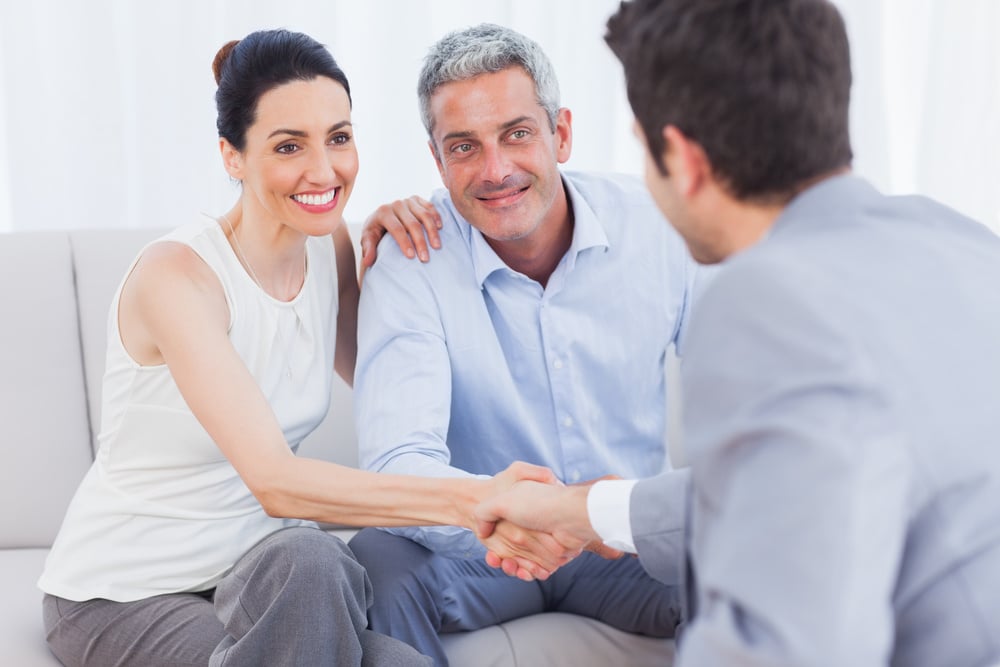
{"type": "Point", "coordinates": [701, 239]}
{"type": "Point", "coordinates": [497, 153]}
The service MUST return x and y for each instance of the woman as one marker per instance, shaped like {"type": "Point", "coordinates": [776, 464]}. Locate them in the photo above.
{"type": "Point", "coordinates": [189, 540]}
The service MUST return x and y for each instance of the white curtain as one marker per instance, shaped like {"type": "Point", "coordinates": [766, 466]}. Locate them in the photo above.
{"type": "Point", "coordinates": [107, 114]}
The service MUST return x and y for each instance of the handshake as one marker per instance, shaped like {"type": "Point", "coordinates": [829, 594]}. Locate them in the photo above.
{"type": "Point", "coordinates": [532, 524]}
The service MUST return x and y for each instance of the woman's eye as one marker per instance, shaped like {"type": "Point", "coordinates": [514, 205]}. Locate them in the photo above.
{"type": "Point", "coordinates": [287, 149]}
{"type": "Point", "coordinates": [340, 139]}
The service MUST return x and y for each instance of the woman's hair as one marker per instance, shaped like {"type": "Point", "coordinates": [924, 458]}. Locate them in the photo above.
{"type": "Point", "coordinates": [247, 68]}
{"type": "Point", "coordinates": [483, 49]}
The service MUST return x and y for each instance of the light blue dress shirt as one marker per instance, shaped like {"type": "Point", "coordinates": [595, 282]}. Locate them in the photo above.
{"type": "Point", "coordinates": [465, 365]}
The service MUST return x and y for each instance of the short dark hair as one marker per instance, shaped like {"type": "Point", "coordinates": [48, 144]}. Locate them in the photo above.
{"type": "Point", "coordinates": [245, 69]}
{"type": "Point", "coordinates": [763, 86]}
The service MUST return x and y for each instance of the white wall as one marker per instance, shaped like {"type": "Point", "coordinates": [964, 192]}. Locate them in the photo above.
{"type": "Point", "coordinates": [107, 113]}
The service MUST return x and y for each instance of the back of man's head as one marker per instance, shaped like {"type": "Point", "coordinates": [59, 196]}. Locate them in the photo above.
{"type": "Point", "coordinates": [762, 85]}
{"type": "Point", "coordinates": [484, 49]}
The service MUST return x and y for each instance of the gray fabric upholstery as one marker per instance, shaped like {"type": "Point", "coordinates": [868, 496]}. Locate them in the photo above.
{"type": "Point", "coordinates": [55, 291]}
{"type": "Point", "coordinates": [22, 638]}
{"type": "Point", "coordinates": [43, 409]}
{"type": "Point", "coordinates": [100, 258]}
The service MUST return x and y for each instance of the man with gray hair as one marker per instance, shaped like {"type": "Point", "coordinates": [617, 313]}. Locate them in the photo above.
{"type": "Point", "coordinates": [539, 332]}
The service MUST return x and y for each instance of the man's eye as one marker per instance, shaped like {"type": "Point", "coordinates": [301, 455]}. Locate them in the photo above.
{"type": "Point", "coordinates": [519, 134]}
{"type": "Point", "coordinates": [461, 148]}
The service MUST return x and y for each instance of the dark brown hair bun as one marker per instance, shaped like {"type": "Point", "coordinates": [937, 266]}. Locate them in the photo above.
{"type": "Point", "coordinates": [221, 57]}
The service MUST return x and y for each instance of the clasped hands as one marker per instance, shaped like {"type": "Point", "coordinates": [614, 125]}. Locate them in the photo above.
{"type": "Point", "coordinates": [533, 524]}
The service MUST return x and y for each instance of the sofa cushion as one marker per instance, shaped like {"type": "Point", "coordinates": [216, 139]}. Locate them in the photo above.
{"type": "Point", "coordinates": [22, 634]}
{"type": "Point", "coordinates": [42, 402]}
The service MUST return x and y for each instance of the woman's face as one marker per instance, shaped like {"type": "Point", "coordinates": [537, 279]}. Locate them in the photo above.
{"type": "Point", "coordinates": [300, 161]}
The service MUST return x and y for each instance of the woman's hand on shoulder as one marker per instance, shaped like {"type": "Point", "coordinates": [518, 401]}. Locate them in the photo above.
{"type": "Point", "coordinates": [412, 222]}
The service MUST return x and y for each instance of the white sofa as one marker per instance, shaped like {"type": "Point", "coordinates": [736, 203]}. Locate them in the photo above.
{"type": "Point", "coordinates": [55, 288]}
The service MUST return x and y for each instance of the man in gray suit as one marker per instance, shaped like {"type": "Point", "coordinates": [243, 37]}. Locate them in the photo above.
{"type": "Point", "coordinates": [841, 373]}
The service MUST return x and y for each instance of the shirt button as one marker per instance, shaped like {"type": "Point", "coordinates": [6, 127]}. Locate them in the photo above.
{"type": "Point", "coordinates": [567, 421]}
{"type": "Point", "coordinates": [575, 475]}
{"type": "Point", "coordinates": [557, 364]}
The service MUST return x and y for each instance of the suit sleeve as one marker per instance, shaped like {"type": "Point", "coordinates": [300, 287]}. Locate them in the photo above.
{"type": "Point", "coordinates": [800, 478]}
{"type": "Point", "coordinates": [657, 514]}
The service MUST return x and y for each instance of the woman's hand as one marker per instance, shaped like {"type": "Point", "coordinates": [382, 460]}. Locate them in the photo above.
{"type": "Point", "coordinates": [522, 552]}
{"type": "Point", "coordinates": [556, 511]}
{"type": "Point", "coordinates": [411, 222]}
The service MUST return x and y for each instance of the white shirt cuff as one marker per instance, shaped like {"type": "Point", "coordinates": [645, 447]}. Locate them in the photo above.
{"type": "Point", "coordinates": [608, 510]}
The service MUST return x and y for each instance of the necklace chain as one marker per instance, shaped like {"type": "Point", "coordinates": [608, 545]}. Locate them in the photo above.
{"type": "Point", "coordinates": [286, 346]}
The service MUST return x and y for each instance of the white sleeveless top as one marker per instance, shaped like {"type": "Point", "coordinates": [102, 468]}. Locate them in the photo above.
{"type": "Point", "coordinates": [161, 510]}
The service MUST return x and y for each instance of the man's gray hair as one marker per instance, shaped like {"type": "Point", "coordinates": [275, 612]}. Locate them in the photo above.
{"type": "Point", "coordinates": [482, 49]}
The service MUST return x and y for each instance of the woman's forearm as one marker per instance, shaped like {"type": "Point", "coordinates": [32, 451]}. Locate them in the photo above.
{"type": "Point", "coordinates": [322, 491]}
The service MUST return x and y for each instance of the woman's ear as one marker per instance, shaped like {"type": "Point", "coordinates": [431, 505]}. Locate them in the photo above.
{"type": "Point", "coordinates": [232, 160]}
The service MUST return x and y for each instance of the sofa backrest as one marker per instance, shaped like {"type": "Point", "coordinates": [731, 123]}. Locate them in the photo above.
{"type": "Point", "coordinates": [54, 299]}
{"type": "Point", "coordinates": [43, 404]}
{"type": "Point", "coordinates": [100, 259]}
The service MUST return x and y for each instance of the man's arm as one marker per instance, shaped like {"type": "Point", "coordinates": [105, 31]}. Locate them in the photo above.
{"type": "Point", "coordinates": [800, 478]}
{"type": "Point", "coordinates": [403, 384]}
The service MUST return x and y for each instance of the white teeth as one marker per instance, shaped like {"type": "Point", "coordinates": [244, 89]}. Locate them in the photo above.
{"type": "Point", "coordinates": [316, 200]}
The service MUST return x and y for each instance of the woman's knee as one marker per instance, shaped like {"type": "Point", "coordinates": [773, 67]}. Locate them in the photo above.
{"type": "Point", "coordinates": [313, 557]}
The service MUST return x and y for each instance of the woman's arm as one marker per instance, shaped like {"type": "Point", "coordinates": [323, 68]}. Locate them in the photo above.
{"type": "Point", "coordinates": [173, 311]}
{"type": "Point", "coordinates": [347, 314]}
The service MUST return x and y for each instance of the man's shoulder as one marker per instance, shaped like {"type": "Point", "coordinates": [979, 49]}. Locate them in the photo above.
{"type": "Point", "coordinates": [602, 186]}
{"type": "Point", "coordinates": [454, 250]}
{"type": "Point", "coordinates": [633, 222]}
{"type": "Point", "coordinates": [618, 199]}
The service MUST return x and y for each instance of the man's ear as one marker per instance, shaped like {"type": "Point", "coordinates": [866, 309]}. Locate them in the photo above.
{"type": "Point", "coordinates": [232, 159]}
{"type": "Point", "coordinates": [686, 161]}
{"type": "Point", "coordinates": [564, 134]}
{"type": "Point", "coordinates": [437, 157]}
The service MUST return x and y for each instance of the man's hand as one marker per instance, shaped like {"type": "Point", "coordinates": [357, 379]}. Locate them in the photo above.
{"type": "Point", "coordinates": [529, 554]}
{"type": "Point", "coordinates": [526, 554]}
{"type": "Point", "coordinates": [411, 222]}
{"type": "Point", "coordinates": [559, 511]}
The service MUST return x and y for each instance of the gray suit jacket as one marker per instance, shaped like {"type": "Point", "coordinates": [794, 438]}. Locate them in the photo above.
{"type": "Point", "coordinates": [842, 418]}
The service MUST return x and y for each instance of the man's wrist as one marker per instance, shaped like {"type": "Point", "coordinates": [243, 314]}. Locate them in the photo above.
{"type": "Point", "coordinates": [609, 513]}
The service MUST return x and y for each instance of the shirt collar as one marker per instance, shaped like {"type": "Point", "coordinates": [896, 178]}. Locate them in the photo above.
{"type": "Point", "coordinates": [588, 232]}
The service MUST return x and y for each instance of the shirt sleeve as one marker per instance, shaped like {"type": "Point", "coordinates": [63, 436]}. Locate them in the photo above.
{"type": "Point", "coordinates": [402, 387]}
{"type": "Point", "coordinates": [800, 480]}
{"type": "Point", "coordinates": [608, 509]}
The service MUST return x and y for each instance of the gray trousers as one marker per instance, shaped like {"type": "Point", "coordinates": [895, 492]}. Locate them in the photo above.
{"type": "Point", "coordinates": [419, 594]}
{"type": "Point", "coordinates": [296, 598]}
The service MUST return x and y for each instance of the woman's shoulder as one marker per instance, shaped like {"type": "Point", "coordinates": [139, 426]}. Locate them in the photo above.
{"type": "Point", "coordinates": [180, 260]}
{"type": "Point", "coordinates": [170, 266]}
